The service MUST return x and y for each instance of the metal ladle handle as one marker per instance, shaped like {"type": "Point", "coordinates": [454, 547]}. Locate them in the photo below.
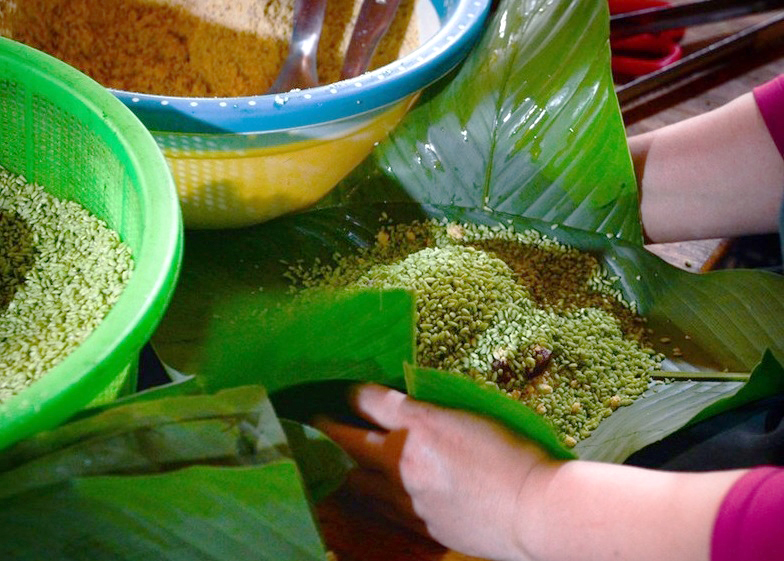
{"type": "Point", "coordinates": [375, 17]}
{"type": "Point", "coordinates": [299, 69]}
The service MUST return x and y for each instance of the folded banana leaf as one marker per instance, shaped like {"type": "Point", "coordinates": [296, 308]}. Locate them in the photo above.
{"type": "Point", "coordinates": [722, 321]}
{"type": "Point", "coordinates": [528, 130]}
{"type": "Point", "coordinates": [197, 477]}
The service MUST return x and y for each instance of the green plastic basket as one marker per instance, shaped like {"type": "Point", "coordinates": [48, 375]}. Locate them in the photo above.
{"type": "Point", "coordinates": [69, 134]}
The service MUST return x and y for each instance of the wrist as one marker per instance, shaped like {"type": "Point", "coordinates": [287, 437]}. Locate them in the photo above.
{"type": "Point", "coordinates": [595, 511]}
{"type": "Point", "coordinates": [533, 520]}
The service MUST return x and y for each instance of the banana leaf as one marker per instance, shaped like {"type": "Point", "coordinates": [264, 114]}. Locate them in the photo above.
{"type": "Point", "coordinates": [526, 132]}
{"type": "Point", "coordinates": [322, 463]}
{"type": "Point", "coordinates": [457, 392]}
{"type": "Point", "coordinates": [198, 477]}
{"type": "Point", "coordinates": [722, 321]}
{"type": "Point", "coordinates": [667, 407]}
{"type": "Point", "coordinates": [530, 125]}
{"type": "Point", "coordinates": [234, 427]}
{"type": "Point", "coordinates": [197, 513]}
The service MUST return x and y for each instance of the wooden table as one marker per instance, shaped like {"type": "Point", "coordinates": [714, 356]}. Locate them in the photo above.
{"type": "Point", "coordinates": [353, 533]}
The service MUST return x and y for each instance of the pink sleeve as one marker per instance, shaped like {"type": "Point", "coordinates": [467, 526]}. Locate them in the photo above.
{"type": "Point", "coordinates": [770, 100]}
{"type": "Point", "coordinates": [750, 523]}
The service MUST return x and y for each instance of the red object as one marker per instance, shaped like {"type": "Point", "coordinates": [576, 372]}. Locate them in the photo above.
{"type": "Point", "coordinates": [642, 54]}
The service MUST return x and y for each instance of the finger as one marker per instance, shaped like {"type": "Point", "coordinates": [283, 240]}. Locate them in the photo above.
{"type": "Point", "coordinates": [369, 448]}
{"type": "Point", "coordinates": [378, 404]}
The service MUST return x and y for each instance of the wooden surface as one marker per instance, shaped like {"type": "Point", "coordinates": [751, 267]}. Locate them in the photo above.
{"type": "Point", "coordinates": [356, 534]}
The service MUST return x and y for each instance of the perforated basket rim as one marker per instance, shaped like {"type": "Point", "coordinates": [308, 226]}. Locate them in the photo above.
{"type": "Point", "coordinates": [462, 25]}
{"type": "Point", "coordinates": [115, 343]}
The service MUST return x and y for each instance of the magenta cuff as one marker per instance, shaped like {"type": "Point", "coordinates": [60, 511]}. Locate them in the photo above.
{"type": "Point", "coordinates": [750, 523]}
{"type": "Point", "coordinates": [770, 100]}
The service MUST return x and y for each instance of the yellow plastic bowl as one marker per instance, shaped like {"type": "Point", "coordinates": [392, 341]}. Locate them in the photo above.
{"type": "Point", "coordinates": [244, 160]}
{"type": "Point", "coordinates": [225, 188]}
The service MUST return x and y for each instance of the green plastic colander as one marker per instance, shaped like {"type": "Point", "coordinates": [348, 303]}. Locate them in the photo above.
{"type": "Point", "coordinates": [64, 131]}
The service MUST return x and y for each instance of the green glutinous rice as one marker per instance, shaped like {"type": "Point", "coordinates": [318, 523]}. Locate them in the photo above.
{"type": "Point", "coordinates": [537, 319]}
{"type": "Point", "coordinates": [61, 270]}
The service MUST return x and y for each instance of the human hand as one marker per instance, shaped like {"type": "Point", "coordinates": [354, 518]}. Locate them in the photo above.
{"type": "Point", "coordinates": [459, 477]}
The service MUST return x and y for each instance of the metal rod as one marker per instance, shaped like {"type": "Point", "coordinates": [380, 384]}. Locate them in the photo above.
{"type": "Point", "coordinates": [652, 20]}
{"type": "Point", "coordinates": [752, 37]}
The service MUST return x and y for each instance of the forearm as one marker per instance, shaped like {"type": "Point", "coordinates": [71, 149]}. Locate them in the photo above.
{"type": "Point", "coordinates": [715, 175]}
{"type": "Point", "coordinates": [595, 512]}
{"type": "Point", "coordinates": [478, 488]}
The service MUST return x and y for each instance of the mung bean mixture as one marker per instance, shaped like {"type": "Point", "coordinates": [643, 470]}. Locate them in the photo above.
{"type": "Point", "coordinates": [521, 312]}
{"type": "Point", "coordinates": [202, 48]}
{"type": "Point", "coordinates": [61, 271]}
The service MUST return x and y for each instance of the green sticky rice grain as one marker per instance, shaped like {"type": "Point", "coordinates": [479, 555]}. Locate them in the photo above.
{"type": "Point", "coordinates": [61, 271]}
{"type": "Point", "coordinates": [539, 320]}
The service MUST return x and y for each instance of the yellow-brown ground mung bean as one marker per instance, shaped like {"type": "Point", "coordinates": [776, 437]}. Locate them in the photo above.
{"type": "Point", "coordinates": [201, 48]}
{"type": "Point", "coordinates": [539, 320]}
{"type": "Point", "coordinates": [61, 271]}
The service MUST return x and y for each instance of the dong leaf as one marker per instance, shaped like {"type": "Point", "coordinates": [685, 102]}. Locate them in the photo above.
{"type": "Point", "coordinates": [529, 125]}
{"type": "Point", "coordinates": [330, 338]}
{"type": "Point", "coordinates": [459, 392]}
{"type": "Point", "coordinates": [234, 427]}
{"type": "Point", "coordinates": [196, 513]}
{"type": "Point", "coordinates": [662, 410]}
{"type": "Point", "coordinates": [722, 321]}
{"type": "Point", "coordinates": [767, 379]}
{"type": "Point", "coordinates": [669, 407]}
{"type": "Point", "coordinates": [322, 463]}
{"type": "Point", "coordinates": [194, 477]}
{"type": "Point", "coordinates": [233, 322]}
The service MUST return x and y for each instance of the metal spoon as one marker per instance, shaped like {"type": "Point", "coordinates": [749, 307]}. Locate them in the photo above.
{"type": "Point", "coordinates": [299, 69]}
{"type": "Point", "coordinates": [373, 21]}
